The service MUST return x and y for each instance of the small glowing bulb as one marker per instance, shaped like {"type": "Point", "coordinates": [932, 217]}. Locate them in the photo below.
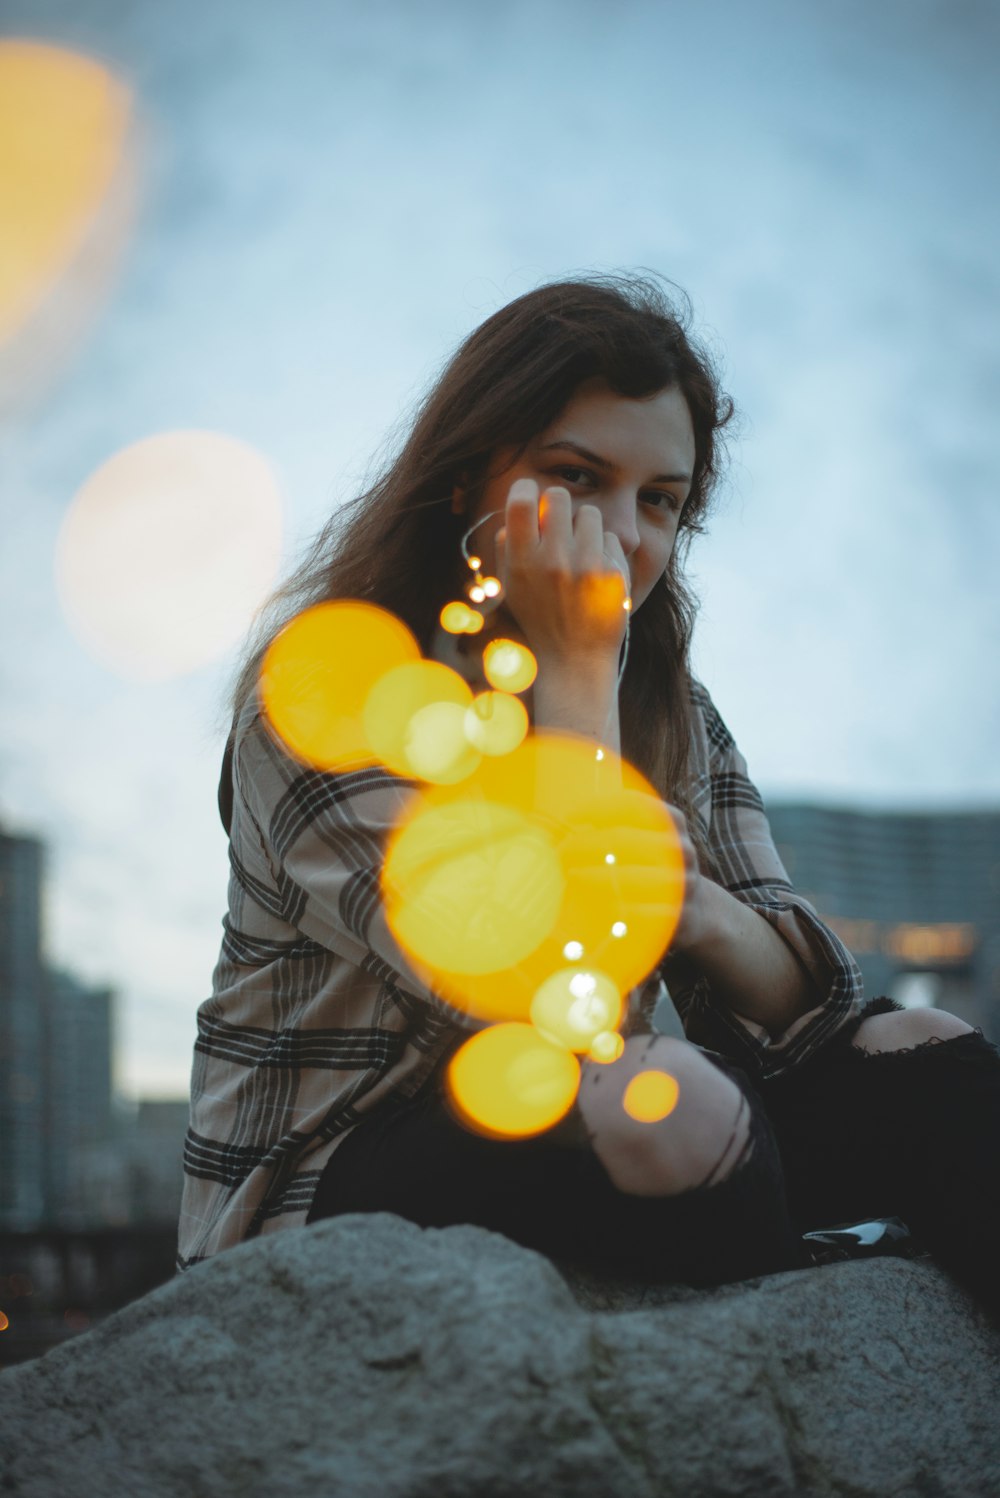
{"type": "Point", "coordinates": [571, 1007]}
{"type": "Point", "coordinates": [491, 586]}
{"type": "Point", "coordinates": [458, 619]}
{"type": "Point", "coordinates": [496, 723]}
{"type": "Point", "coordinates": [476, 593]}
{"type": "Point", "coordinates": [619, 928]}
{"type": "Point", "coordinates": [573, 951]}
{"type": "Point", "coordinates": [610, 858]}
{"type": "Point", "coordinates": [509, 666]}
{"type": "Point", "coordinates": [600, 754]}
{"type": "Point", "coordinates": [627, 605]}
{"type": "Point", "coordinates": [475, 563]}
{"type": "Point", "coordinates": [605, 1047]}
{"type": "Point", "coordinates": [583, 985]}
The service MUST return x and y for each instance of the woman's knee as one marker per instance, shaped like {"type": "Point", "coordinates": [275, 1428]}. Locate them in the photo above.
{"type": "Point", "coordinates": [907, 1027]}
{"type": "Point", "coordinates": [698, 1142]}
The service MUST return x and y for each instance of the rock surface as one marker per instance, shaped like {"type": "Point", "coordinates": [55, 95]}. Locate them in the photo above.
{"type": "Point", "coordinates": [364, 1356]}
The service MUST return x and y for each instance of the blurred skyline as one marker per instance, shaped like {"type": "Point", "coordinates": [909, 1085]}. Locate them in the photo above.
{"type": "Point", "coordinates": [330, 198]}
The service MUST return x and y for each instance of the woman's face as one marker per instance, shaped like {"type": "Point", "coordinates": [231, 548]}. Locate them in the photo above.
{"type": "Point", "coordinates": [633, 459]}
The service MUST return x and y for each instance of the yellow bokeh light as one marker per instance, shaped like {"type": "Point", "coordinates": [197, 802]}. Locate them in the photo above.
{"type": "Point", "coordinates": [491, 587]}
{"type": "Point", "coordinates": [436, 746]}
{"type": "Point", "coordinates": [63, 126]}
{"type": "Point", "coordinates": [496, 722]}
{"type": "Point", "coordinates": [403, 733]}
{"type": "Point", "coordinates": [458, 619]}
{"type": "Point", "coordinates": [650, 1096]}
{"type": "Point", "coordinates": [553, 784]}
{"type": "Point", "coordinates": [509, 666]}
{"type": "Point", "coordinates": [318, 673]}
{"type": "Point", "coordinates": [471, 888]}
{"type": "Point", "coordinates": [4, 1323]}
{"type": "Point", "coordinates": [606, 595]}
{"type": "Point", "coordinates": [574, 1006]}
{"type": "Point", "coordinates": [508, 1082]}
{"type": "Point", "coordinates": [573, 951]}
{"type": "Point", "coordinates": [640, 886]}
{"type": "Point", "coordinates": [606, 1047]}
{"type": "Point", "coordinates": [167, 550]}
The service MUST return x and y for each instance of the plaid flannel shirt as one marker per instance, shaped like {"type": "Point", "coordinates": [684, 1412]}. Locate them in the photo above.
{"type": "Point", "coordinates": [315, 1021]}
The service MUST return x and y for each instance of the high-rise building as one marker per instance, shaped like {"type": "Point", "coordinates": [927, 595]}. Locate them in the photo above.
{"type": "Point", "coordinates": [137, 1176]}
{"type": "Point", "coordinates": [22, 997]}
{"type": "Point", "coordinates": [158, 1153]}
{"type": "Point", "coordinates": [55, 1059]}
{"type": "Point", "coordinates": [78, 1112]}
{"type": "Point", "coordinates": [914, 895]}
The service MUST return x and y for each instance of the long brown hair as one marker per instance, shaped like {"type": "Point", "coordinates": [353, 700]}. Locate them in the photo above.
{"type": "Point", "coordinates": [396, 544]}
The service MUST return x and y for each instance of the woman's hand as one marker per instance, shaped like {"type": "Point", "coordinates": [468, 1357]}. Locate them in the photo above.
{"type": "Point", "coordinates": [565, 578]}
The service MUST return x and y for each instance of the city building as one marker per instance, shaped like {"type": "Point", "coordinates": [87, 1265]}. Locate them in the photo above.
{"type": "Point", "coordinates": [78, 1091]}
{"type": "Point", "coordinates": [136, 1178]}
{"type": "Point", "coordinates": [915, 895]}
{"type": "Point", "coordinates": [22, 1038]}
{"type": "Point", "coordinates": [55, 1059]}
{"type": "Point", "coordinates": [157, 1159]}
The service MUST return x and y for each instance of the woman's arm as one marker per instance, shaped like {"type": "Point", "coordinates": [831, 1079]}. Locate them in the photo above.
{"type": "Point", "coordinates": [773, 1006]}
{"type": "Point", "coordinates": [579, 696]}
{"type": "Point", "coordinates": [750, 967]}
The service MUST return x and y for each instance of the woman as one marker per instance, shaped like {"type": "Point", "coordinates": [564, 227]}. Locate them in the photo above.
{"type": "Point", "coordinates": [575, 435]}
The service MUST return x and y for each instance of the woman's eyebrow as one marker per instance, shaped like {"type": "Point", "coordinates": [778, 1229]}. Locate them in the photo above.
{"type": "Point", "coordinates": [599, 462]}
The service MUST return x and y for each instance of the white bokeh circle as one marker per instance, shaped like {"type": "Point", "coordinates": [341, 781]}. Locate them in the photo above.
{"type": "Point", "coordinates": [167, 551]}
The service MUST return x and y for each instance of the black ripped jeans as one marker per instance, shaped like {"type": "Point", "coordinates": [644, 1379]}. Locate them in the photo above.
{"type": "Point", "coordinates": [847, 1135]}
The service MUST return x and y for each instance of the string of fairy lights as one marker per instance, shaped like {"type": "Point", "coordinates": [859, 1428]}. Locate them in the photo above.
{"type": "Point", "coordinates": [457, 617]}
{"type": "Point", "coordinates": [532, 886]}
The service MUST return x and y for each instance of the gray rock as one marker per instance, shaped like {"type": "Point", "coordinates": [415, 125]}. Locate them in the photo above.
{"type": "Point", "coordinates": [364, 1356]}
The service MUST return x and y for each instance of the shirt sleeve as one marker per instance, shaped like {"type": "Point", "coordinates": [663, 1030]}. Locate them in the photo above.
{"type": "Point", "coordinates": [743, 859]}
{"type": "Point", "coordinates": [317, 847]}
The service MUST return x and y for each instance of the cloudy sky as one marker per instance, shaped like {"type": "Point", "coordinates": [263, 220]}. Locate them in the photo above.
{"type": "Point", "coordinates": [331, 196]}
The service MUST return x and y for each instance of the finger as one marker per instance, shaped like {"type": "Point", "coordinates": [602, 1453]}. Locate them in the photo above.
{"type": "Point", "coordinates": [555, 516]}
{"type": "Point", "coordinates": [613, 547]}
{"type": "Point", "coordinates": [616, 556]}
{"type": "Point", "coordinates": [499, 553]}
{"type": "Point", "coordinates": [588, 532]}
{"type": "Point", "coordinates": [522, 516]}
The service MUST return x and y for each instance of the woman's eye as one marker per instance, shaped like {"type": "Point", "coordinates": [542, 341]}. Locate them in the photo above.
{"type": "Point", "coordinates": [659, 498]}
